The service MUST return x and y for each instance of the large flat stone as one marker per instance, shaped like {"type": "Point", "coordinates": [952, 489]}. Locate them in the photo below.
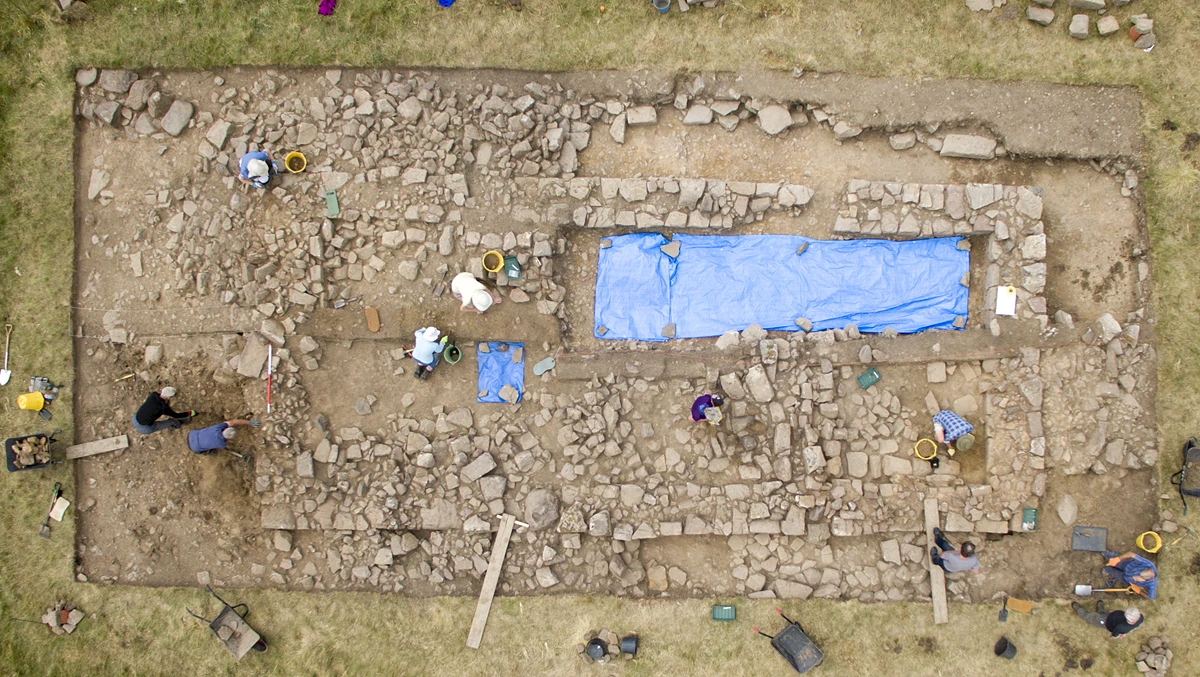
{"type": "Point", "coordinates": [254, 356]}
{"type": "Point", "coordinates": [278, 517]}
{"type": "Point", "coordinates": [478, 468]}
{"type": "Point", "coordinates": [969, 146]}
{"type": "Point", "coordinates": [774, 119]}
{"type": "Point", "coordinates": [177, 117]}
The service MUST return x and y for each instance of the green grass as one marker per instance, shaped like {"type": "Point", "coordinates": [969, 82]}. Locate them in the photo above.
{"type": "Point", "coordinates": [139, 631]}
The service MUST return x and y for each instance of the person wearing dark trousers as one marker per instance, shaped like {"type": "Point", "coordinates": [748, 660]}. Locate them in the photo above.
{"type": "Point", "coordinates": [951, 560]}
{"type": "Point", "coordinates": [157, 405]}
{"type": "Point", "coordinates": [1118, 623]}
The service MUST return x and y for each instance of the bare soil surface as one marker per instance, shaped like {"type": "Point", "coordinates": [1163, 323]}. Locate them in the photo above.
{"type": "Point", "coordinates": [360, 477]}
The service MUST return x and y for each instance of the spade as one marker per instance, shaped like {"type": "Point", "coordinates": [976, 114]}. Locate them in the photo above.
{"type": "Point", "coordinates": [44, 532]}
{"type": "Point", "coordinates": [5, 374]}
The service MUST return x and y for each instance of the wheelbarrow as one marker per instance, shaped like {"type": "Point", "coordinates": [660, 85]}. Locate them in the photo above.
{"type": "Point", "coordinates": [231, 628]}
{"type": "Point", "coordinates": [794, 646]}
{"type": "Point", "coordinates": [12, 459]}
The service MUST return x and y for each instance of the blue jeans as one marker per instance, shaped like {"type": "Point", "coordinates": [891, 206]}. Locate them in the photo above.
{"type": "Point", "coordinates": [161, 424]}
{"type": "Point", "coordinates": [430, 365]}
{"type": "Point", "coordinates": [943, 545]}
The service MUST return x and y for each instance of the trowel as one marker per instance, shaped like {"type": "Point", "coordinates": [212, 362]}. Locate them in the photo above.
{"type": "Point", "coordinates": [5, 374]}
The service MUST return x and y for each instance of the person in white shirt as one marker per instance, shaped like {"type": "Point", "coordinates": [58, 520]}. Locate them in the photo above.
{"type": "Point", "coordinates": [473, 294]}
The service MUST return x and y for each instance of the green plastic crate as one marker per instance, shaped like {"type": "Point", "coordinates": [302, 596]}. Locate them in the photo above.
{"type": "Point", "coordinates": [721, 612]}
{"type": "Point", "coordinates": [868, 378]}
{"type": "Point", "coordinates": [1029, 519]}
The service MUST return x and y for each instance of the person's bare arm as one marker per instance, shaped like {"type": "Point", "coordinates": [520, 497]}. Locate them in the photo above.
{"type": "Point", "coordinates": [237, 421]}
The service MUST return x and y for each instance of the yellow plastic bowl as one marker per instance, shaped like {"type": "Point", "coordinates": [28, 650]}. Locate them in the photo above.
{"type": "Point", "coordinates": [1155, 542]}
{"type": "Point", "coordinates": [932, 447]}
{"type": "Point", "coordinates": [295, 162]}
{"type": "Point", "coordinates": [496, 263]}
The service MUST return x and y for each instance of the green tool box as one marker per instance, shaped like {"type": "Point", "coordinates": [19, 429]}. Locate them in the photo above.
{"type": "Point", "coordinates": [868, 378]}
{"type": "Point", "coordinates": [721, 612]}
{"type": "Point", "coordinates": [1029, 518]}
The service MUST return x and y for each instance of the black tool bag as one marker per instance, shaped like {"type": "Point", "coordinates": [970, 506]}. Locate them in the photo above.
{"type": "Point", "coordinates": [1188, 477]}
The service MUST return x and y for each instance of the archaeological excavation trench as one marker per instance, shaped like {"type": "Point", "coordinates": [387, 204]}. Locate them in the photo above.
{"type": "Point", "coordinates": [364, 478]}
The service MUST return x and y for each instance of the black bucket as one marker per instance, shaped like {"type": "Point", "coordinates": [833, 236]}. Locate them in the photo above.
{"type": "Point", "coordinates": [1005, 648]}
{"type": "Point", "coordinates": [629, 645]}
{"type": "Point", "coordinates": [597, 649]}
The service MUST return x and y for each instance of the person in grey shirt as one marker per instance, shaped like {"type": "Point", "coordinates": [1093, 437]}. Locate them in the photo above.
{"type": "Point", "coordinates": [951, 560]}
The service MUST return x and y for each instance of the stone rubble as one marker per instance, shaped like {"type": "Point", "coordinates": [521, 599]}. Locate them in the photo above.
{"type": "Point", "coordinates": [808, 466]}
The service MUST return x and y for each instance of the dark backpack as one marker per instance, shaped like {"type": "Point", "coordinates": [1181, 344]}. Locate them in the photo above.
{"type": "Point", "coordinates": [1191, 457]}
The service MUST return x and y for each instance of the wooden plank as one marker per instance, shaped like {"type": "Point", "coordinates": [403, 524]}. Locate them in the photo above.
{"type": "Point", "coordinates": [484, 607]}
{"type": "Point", "coordinates": [97, 447]}
{"type": "Point", "coordinates": [937, 577]}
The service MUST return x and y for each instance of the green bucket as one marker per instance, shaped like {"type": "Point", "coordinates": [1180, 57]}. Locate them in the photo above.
{"type": "Point", "coordinates": [451, 353]}
{"type": "Point", "coordinates": [512, 267]}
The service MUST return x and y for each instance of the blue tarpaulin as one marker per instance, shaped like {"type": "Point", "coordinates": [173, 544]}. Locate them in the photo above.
{"type": "Point", "coordinates": [718, 283]}
{"type": "Point", "coordinates": [497, 369]}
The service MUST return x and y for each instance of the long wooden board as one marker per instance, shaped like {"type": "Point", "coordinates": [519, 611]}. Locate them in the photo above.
{"type": "Point", "coordinates": [97, 447]}
{"type": "Point", "coordinates": [937, 577]}
{"type": "Point", "coordinates": [495, 564]}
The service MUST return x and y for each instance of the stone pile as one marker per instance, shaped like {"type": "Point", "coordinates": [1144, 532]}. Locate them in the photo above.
{"type": "Point", "coordinates": [63, 617]}
{"type": "Point", "coordinates": [1155, 657]}
{"type": "Point", "coordinates": [1141, 30]}
{"type": "Point", "coordinates": [611, 639]}
{"type": "Point", "coordinates": [121, 98]}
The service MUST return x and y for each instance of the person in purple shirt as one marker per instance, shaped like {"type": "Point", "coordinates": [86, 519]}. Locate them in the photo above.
{"type": "Point", "coordinates": [703, 404]}
{"type": "Point", "coordinates": [214, 437]}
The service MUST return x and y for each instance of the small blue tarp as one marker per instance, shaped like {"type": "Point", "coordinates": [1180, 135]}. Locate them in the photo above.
{"type": "Point", "coordinates": [497, 369]}
{"type": "Point", "coordinates": [719, 283]}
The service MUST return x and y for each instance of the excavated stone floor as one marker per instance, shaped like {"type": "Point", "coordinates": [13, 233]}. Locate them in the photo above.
{"type": "Point", "coordinates": [364, 478]}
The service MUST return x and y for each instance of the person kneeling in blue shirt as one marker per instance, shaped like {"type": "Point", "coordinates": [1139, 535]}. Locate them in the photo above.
{"type": "Point", "coordinates": [256, 168]}
{"type": "Point", "coordinates": [425, 350]}
{"type": "Point", "coordinates": [214, 437]}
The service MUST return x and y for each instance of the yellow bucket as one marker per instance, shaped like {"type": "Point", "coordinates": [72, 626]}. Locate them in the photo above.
{"type": "Point", "coordinates": [1155, 539]}
{"type": "Point", "coordinates": [932, 447]}
{"type": "Point", "coordinates": [34, 401]}
{"type": "Point", "coordinates": [295, 162]}
{"type": "Point", "coordinates": [493, 261]}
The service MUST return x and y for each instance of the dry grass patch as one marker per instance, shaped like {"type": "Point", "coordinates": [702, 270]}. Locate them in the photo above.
{"type": "Point", "coordinates": [146, 632]}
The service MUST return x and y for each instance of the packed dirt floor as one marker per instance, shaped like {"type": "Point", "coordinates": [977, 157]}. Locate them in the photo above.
{"type": "Point", "coordinates": [364, 478]}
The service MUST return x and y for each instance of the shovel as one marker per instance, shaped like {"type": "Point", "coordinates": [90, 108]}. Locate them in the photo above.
{"type": "Point", "coordinates": [1004, 611]}
{"type": "Point", "coordinates": [440, 287]}
{"type": "Point", "coordinates": [1087, 590]}
{"type": "Point", "coordinates": [44, 532]}
{"type": "Point", "coordinates": [5, 374]}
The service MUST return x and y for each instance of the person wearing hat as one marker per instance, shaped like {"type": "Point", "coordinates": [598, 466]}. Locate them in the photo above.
{"type": "Point", "coordinates": [157, 405]}
{"type": "Point", "coordinates": [429, 342]}
{"type": "Point", "coordinates": [707, 407]}
{"type": "Point", "coordinates": [256, 168]}
{"type": "Point", "coordinates": [473, 294]}
{"type": "Point", "coordinates": [214, 437]}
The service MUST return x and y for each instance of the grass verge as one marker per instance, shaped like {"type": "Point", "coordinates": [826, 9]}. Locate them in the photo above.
{"type": "Point", "coordinates": [140, 631]}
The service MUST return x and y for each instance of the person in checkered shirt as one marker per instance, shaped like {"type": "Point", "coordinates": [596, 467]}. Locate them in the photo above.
{"type": "Point", "coordinates": [951, 429]}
